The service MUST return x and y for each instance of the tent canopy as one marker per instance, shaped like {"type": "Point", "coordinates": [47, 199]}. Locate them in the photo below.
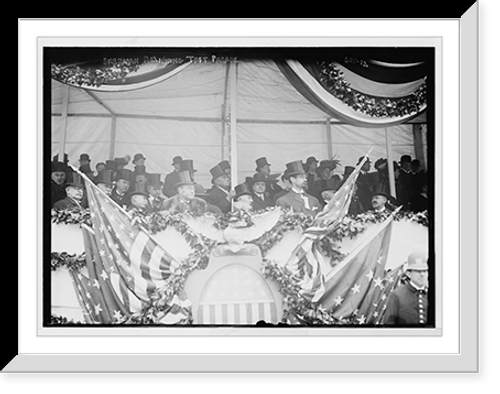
{"type": "Point", "coordinates": [185, 105]}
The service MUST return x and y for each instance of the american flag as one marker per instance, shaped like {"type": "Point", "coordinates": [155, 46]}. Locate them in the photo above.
{"type": "Point", "coordinates": [306, 261]}
{"type": "Point", "coordinates": [128, 264]}
{"type": "Point", "coordinates": [355, 288]}
{"type": "Point", "coordinates": [391, 282]}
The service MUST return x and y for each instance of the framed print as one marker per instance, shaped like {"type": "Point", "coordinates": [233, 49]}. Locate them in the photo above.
{"type": "Point", "coordinates": [233, 203]}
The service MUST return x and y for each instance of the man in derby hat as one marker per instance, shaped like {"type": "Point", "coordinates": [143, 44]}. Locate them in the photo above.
{"type": "Point", "coordinates": [85, 165]}
{"type": "Point", "coordinates": [155, 196]}
{"type": "Point", "coordinates": [263, 167]}
{"type": "Point", "coordinates": [261, 197]}
{"type": "Point", "coordinates": [243, 198]}
{"type": "Point", "coordinates": [123, 180]}
{"type": "Point", "coordinates": [58, 172]}
{"type": "Point", "coordinates": [170, 178]}
{"type": "Point", "coordinates": [379, 202]}
{"type": "Point", "coordinates": [185, 200]}
{"type": "Point", "coordinates": [406, 184]}
{"type": "Point", "coordinates": [139, 160]}
{"type": "Point", "coordinates": [296, 199]}
{"type": "Point", "coordinates": [220, 194]}
{"type": "Point", "coordinates": [74, 193]}
{"type": "Point", "coordinates": [408, 304]}
{"type": "Point", "coordinates": [104, 181]}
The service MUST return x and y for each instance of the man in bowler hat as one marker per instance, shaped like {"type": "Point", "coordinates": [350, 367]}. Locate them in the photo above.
{"type": "Point", "coordinates": [170, 179]}
{"type": "Point", "coordinates": [74, 193]}
{"type": "Point", "coordinates": [296, 198]}
{"type": "Point", "coordinates": [408, 304]}
{"type": "Point", "coordinates": [185, 200]}
{"type": "Point", "coordinates": [220, 194]}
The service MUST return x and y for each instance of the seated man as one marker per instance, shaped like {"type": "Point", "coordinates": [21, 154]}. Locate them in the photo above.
{"type": "Point", "coordinates": [104, 181]}
{"type": "Point", "coordinates": [380, 202]}
{"type": "Point", "coordinates": [74, 193]}
{"type": "Point", "coordinates": [261, 197]}
{"type": "Point", "coordinates": [296, 199]}
{"type": "Point", "coordinates": [220, 194]}
{"type": "Point", "coordinates": [243, 198]}
{"type": "Point", "coordinates": [138, 199]}
{"type": "Point", "coordinates": [119, 194]}
{"type": "Point", "coordinates": [185, 199]}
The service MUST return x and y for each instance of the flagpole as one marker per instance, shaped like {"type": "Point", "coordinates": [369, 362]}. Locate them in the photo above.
{"type": "Point", "coordinates": [358, 248]}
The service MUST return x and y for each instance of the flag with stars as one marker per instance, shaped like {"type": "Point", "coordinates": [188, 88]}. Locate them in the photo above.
{"type": "Point", "coordinates": [353, 289]}
{"type": "Point", "coordinates": [338, 206]}
{"type": "Point", "coordinates": [306, 261]}
{"type": "Point", "coordinates": [129, 261]}
{"type": "Point", "coordinates": [391, 281]}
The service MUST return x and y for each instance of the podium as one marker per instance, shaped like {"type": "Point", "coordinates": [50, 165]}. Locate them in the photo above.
{"type": "Point", "coordinates": [232, 291]}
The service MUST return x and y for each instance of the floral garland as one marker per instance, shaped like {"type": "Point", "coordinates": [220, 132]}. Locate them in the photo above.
{"type": "Point", "coordinates": [67, 260]}
{"type": "Point", "coordinates": [114, 69]}
{"type": "Point", "coordinates": [333, 80]}
{"type": "Point", "coordinates": [71, 216]}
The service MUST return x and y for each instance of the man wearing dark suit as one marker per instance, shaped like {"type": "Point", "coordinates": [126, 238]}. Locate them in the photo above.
{"type": "Point", "coordinates": [261, 197]}
{"type": "Point", "coordinates": [220, 194]}
{"type": "Point", "coordinates": [296, 199]}
{"type": "Point", "coordinates": [366, 184]}
{"type": "Point", "coordinates": [185, 200]}
{"type": "Point", "coordinates": [58, 172]}
{"type": "Point", "coordinates": [263, 167]}
{"type": "Point", "coordinates": [119, 194]}
{"type": "Point", "coordinates": [170, 179]}
{"type": "Point", "coordinates": [74, 194]}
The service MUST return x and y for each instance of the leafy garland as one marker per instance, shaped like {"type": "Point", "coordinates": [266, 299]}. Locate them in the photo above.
{"type": "Point", "coordinates": [299, 308]}
{"type": "Point", "coordinates": [333, 80]}
{"type": "Point", "coordinates": [114, 69]}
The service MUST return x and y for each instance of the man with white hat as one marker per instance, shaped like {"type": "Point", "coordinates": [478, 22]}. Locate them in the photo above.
{"type": "Point", "coordinates": [408, 304]}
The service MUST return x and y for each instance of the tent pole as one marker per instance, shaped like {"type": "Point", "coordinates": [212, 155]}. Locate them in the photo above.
{"type": "Point", "coordinates": [390, 166]}
{"type": "Point", "coordinates": [329, 148]}
{"type": "Point", "coordinates": [233, 149]}
{"type": "Point", "coordinates": [64, 124]}
{"type": "Point", "coordinates": [112, 139]}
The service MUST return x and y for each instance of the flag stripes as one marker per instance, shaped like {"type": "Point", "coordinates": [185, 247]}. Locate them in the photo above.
{"type": "Point", "coordinates": [237, 313]}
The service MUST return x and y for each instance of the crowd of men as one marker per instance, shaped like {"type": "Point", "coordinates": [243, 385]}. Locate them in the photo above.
{"type": "Point", "coordinates": [304, 186]}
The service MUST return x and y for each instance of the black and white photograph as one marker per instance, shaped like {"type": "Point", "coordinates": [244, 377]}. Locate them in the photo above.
{"type": "Point", "coordinates": [233, 186]}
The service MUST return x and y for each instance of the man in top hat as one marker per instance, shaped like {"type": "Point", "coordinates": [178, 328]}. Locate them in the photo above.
{"type": "Point", "coordinates": [139, 175]}
{"type": "Point", "coordinates": [366, 183]}
{"type": "Point", "coordinates": [296, 199]}
{"type": "Point", "coordinates": [185, 199]}
{"type": "Point", "coordinates": [188, 165]}
{"type": "Point", "coordinates": [104, 181]}
{"type": "Point", "coordinates": [261, 197]}
{"type": "Point", "coordinates": [74, 193]}
{"type": "Point", "coordinates": [58, 172]}
{"type": "Point", "coordinates": [243, 198]}
{"type": "Point", "coordinates": [406, 183]}
{"type": "Point", "coordinates": [170, 179]}
{"type": "Point", "coordinates": [123, 180]}
{"type": "Point", "coordinates": [408, 304]}
{"type": "Point", "coordinates": [220, 194]}
{"type": "Point", "coordinates": [224, 164]}
{"type": "Point", "coordinates": [155, 196]}
{"type": "Point", "coordinates": [263, 167]}
{"type": "Point", "coordinates": [138, 199]}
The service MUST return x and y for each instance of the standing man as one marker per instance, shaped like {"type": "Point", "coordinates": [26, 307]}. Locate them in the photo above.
{"type": "Point", "coordinates": [263, 167]}
{"type": "Point", "coordinates": [185, 199]}
{"type": "Point", "coordinates": [408, 304]}
{"type": "Point", "coordinates": [74, 194]}
{"type": "Point", "coordinates": [57, 179]}
{"type": "Point", "coordinates": [365, 184]}
{"type": "Point", "coordinates": [170, 179]}
{"type": "Point", "coordinates": [119, 194]}
{"type": "Point", "coordinates": [220, 194]}
{"type": "Point", "coordinates": [85, 165]}
{"type": "Point", "coordinates": [261, 198]}
{"type": "Point", "coordinates": [296, 199]}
